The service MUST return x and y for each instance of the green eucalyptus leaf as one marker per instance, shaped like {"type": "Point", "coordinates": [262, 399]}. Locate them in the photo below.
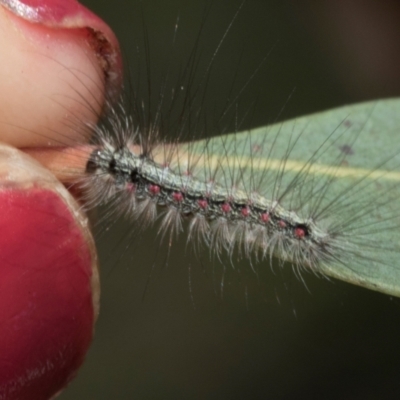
{"type": "Point", "coordinates": [343, 162]}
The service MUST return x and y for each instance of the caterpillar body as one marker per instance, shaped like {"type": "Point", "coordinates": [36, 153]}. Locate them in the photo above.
{"type": "Point", "coordinates": [305, 192]}
{"type": "Point", "coordinates": [253, 195]}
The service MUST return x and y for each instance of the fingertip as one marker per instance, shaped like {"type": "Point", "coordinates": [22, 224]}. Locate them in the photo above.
{"type": "Point", "coordinates": [70, 14]}
{"type": "Point", "coordinates": [49, 286]}
{"type": "Point", "coordinates": [58, 69]}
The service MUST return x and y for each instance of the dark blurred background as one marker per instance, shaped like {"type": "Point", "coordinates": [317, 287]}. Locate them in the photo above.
{"type": "Point", "coordinates": [176, 336]}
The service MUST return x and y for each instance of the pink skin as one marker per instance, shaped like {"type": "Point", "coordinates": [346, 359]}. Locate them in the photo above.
{"type": "Point", "coordinates": [48, 274]}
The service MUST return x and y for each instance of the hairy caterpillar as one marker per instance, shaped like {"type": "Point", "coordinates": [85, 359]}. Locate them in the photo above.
{"type": "Point", "coordinates": [329, 213]}
{"type": "Point", "coordinates": [334, 218]}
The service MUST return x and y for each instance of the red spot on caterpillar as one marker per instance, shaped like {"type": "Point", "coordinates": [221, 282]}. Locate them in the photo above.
{"type": "Point", "coordinates": [299, 232]}
{"type": "Point", "coordinates": [282, 224]}
{"type": "Point", "coordinates": [154, 189]}
{"type": "Point", "coordinates": [245, 211]}
{"type": "Point", "coordinates": [130, 187]}
{"type": "Point", "coordinates": [226, 208]}
{"type": "Point", "coordinates": [264, 217]}
{"type": "Point", "coordinates": [177, 196]}
{"type": "Point", "coordinates": [202, 203]}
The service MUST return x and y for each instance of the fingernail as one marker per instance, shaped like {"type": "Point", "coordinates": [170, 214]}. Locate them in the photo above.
{"type": "Point", "coordinates": [69, 14]}
{"type": "Point", "coordinates": [48, 282]}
